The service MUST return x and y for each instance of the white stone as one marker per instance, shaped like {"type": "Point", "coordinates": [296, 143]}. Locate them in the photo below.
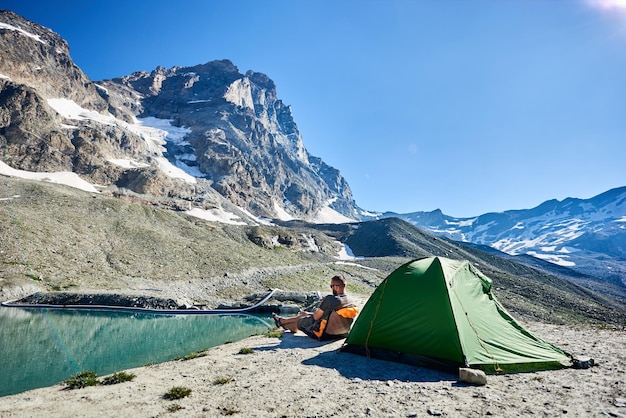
{"type": "Point", "coordinates": [472, 376]}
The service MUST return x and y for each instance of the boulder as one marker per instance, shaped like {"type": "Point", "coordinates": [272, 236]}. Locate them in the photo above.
{"type": "Point", "coordinates": [472, 376]}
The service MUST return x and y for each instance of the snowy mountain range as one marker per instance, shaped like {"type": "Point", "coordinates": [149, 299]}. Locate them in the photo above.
{"type": "Point", "coordinates": [222, 146]}
{"type": "Point", "coordinates": [587, 235]}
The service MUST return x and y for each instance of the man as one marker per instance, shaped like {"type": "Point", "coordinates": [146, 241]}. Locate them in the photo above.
{"type": "Point", "coordinates": [330, 321]}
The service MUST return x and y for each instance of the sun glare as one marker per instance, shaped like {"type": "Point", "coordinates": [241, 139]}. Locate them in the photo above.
{"type": "Point", "coordinates": [609, 4]}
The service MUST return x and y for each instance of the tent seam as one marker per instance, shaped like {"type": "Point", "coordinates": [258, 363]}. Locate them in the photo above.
{"type": "Point", "coordinates": [369, 332]}
{"type": "Point", "coordinates": [471, 323]}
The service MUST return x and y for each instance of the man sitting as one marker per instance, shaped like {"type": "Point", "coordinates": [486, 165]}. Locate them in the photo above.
{"type": "Point", "coordinates": [333, 318]}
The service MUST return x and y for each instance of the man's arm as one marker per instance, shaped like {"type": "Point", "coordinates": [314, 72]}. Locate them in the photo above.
{"type": "Point", "coordinates": [318, 314]}
{"type": "Point", "coordinates": [328, 303]}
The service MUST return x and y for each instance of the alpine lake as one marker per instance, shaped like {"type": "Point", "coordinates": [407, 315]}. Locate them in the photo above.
{"type": "Point", "coordinates": [44, 347]}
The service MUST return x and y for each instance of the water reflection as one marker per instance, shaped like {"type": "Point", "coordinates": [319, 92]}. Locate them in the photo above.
{"type": "Point", "coordinates": [44, 347]}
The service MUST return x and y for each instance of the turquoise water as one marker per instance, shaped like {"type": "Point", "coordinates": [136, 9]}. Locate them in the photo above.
{"type": "Point", "coordinates": [41, 347]}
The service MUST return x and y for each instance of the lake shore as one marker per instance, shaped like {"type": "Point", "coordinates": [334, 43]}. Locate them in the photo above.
{"type": "Point", "coordinates": [295, 376]}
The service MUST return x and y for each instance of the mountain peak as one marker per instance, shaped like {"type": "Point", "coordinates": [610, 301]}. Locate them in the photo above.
{"type": "Point", "coordinates": [228, 131]}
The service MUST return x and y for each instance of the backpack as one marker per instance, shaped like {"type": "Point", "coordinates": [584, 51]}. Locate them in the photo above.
{"type": "Point", "coordinates": [334, 325]}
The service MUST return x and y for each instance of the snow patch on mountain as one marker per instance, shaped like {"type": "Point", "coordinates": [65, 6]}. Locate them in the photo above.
{"type": "Point", "coordinates": [155, 132]}
{"type": "Point", "coordinates": [69, 109]}
{"type": "Point", "coordinates": [22, 32]}
{"type": "Point", "coordinates": [461, 222]}
{"type": "Point", "coordinates": [281, 213]}
{"type": "Point", "coordinates": [552, 258]}
{"type": "Point", "coordinates": [128, 163]}
{"type": "Point", "coordinates": [311, 243]}
{"type": "Point", "coordinates": [346, 253]}
{"type": "Point", "coordinates": [64, 177]}
{"type": "Point", "coordinates": [328, 215]}
{"type": "Point", "coordinates": [216, 215]}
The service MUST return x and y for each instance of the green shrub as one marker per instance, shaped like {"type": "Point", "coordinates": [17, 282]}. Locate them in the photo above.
{"type": "Point", "coordinates": [81, 380]}
{"type": "Point", "coordinates": [222, 380]}
{"type": "Point", "coordinates": [177, 392]}
{"type": "Point", "coordinates": [118, 378]}
{"type": "Point", "coordinates": [246, 350]}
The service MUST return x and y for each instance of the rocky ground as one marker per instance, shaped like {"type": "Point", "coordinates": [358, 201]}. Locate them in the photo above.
{"type": "Point", "coordinates": [295, 376]}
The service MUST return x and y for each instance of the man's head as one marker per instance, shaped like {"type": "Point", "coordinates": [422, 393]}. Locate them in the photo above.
{"type": "Point", "coordinates": [338, 284]}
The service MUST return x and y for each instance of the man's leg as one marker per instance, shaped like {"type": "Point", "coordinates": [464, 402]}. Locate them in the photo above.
{"type": "Point", "coordinates": [290, 323]}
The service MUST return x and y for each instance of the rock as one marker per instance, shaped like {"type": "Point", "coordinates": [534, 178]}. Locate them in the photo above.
{"type": "Point", "coordinates": [582, 362]}
{"type": "Point", "coordinates": [472, 376]}
{"type": "Point", "coordinates": [291, 309]}
{"type": "Point", "coordinates": [103, 299]}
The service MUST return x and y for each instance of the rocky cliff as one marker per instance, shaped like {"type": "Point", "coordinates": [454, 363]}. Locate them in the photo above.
{"type": "Point", "coordinates": [242, 138]}
{"type": "Point", "coordinates": [236, 142]}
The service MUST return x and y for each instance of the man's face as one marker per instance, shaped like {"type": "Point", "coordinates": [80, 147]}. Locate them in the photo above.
{"type": "Point", "coordinates": [337, 288]}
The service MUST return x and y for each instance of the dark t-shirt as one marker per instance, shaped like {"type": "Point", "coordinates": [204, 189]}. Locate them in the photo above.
{"type": "Point", "coordinates": [332, 302]}
{"type": "Point", "coordinates": [329, 303]}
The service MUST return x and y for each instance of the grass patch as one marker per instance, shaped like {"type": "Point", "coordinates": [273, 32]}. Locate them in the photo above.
{"type": "Point", "coordinates": [89, 378]}
{"type": "Point", "coordinates": [174, 407]}
{"type": "Point", "coordinates": [246, 350]}
{"type": "Point", "coordinates": [116, 378]}
{"type": "Point", "coordinates": [222, 380]}
{"type": "Point", "coordinates": [275, 333]}
{"type": "Point", "coordinates": [177, 392]}
{"type": "Point", "coordinates": [192, 356]}
{"type": "Point", "coordinates": [82, 379]}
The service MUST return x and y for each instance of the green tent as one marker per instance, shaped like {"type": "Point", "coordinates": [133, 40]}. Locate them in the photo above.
{"type": "Point", "coordinates": [440, 312]}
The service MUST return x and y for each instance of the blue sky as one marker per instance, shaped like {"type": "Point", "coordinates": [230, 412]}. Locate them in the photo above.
{"type": "Point", "coordinates": [469, 106]}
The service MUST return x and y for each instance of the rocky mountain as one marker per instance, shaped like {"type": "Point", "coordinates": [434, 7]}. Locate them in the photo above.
{"type": "Point", "coordinates": [201, 137]}
{"type": "Point", "coordinates": [586, 235]}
